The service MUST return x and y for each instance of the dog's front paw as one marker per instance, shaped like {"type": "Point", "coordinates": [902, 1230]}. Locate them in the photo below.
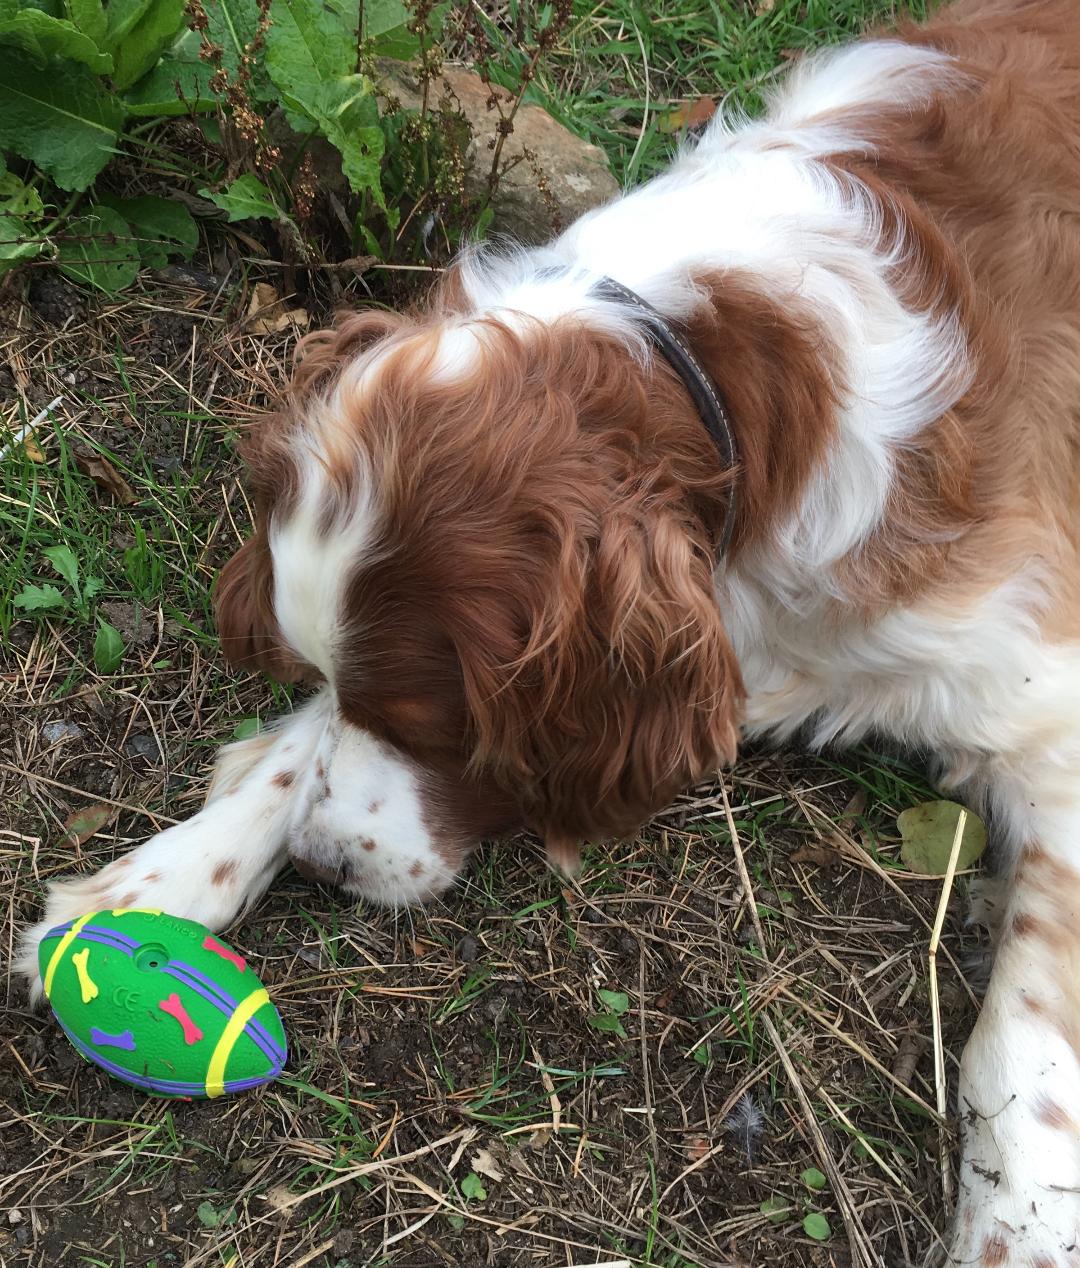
{"type": "Point", "coordinates": [67, 900]}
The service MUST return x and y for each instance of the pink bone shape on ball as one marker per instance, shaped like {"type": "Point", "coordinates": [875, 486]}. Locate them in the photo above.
{"type": "Point", "coordinates": [173, 1006]}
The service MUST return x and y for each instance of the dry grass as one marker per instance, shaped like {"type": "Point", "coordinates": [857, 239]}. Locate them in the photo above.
{"type": "Point", "coordinates": [456, 1040]}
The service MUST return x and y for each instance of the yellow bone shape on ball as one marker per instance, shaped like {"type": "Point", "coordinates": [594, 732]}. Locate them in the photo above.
{"type": "Point", "coordinates": [87, 986]}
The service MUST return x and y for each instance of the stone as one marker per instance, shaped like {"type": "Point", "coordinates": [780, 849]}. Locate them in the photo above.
{"type": "Point", "coordinates": [576, 172]}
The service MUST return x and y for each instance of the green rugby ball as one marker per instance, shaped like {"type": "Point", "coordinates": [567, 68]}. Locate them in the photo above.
{"type": "Point", "coordinates": [161, 1003]}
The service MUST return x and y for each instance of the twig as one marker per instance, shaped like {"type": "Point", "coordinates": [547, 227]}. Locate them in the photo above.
{"type": "Point", "coordinates": [29, 428]}
{"type": "Point", "coordinates": [862, 1250]}
{"type": "Point", "coordinates": [744, 875]}
{"type": "Point", "coordinates": [940, 1086]}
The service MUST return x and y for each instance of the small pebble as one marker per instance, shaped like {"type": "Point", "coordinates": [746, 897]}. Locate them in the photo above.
{"type": "Point", "coordinates": [468, 949]}
{"type": "Point", "coordinates": [143, 746]}
{"type": "Point", "coordinates": [54, 732]}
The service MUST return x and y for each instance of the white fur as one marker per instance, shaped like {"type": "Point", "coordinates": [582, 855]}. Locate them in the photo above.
{"type": "Point", "coordinates": [976, 684]}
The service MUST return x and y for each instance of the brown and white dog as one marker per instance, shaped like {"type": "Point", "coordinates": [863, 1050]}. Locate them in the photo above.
{"type": "Point", "coordinates": [492, 530]}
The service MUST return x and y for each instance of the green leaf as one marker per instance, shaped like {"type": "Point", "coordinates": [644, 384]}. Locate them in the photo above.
{"type": "Point", "coordinates": [246, 728]}
{"type": "Point", "coordinates": [98, 249]}
{"type": "Point", "coordinates": [308, 45]}
{"type": "Point", "coordinates": [178, 85]}
{"type": "Point", "coordinates": [928, 831]}
{"type": "Point", "coordinates": [89, 17]}
{"type": "Point", "coordinates": [815, 1225]}
{"type": "Point", "coordinates": [160, 226]}
{"type": "Point", "coordinates": [64, 561]}
{"type": "Point", "coordinates": [703, 1053]}
{"type": "Point", "coordinates": [17, 242]}
{"type": "Point", "coordinates": [386, 24]}
{"type": "Point", "coordinates": [617, 1002]}
{"type": "Point", "coordinates": [608, 1023]}
{"type": "Point", "coordinates": [233, 26]}
{"type": "Point", "coordinates": [472, 1187]}
{"type": "Point", "coordinates": [143, 45]}
{"type": "Point", "coordinates": [39, 598]}
{"type": "Point", "coordinates": [41, 37]}
{"type": "Point", "coordinates": [813, 1179]}
{"type": "Point", "coordinates": [91, 586]}
{"type": "Point", "coordinates": [108, 648]}
{"type": "Point", "coordinates": [247, 198]}
{"type": "Point", "coordinates": [59, 117]}
{"type": "Point", "coordinates": [208, 1215]}
{"type": "Point", "coordinates": [775, 1210]}
{"type": "Point", "coordinates": [17, 198]}
{"type": "Point", "coordinates": [346, 114]}
{"type": "Point", "coordinates": [123, 16]}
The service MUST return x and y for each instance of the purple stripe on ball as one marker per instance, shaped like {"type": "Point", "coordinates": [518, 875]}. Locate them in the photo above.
{"type": "Point", "coordinates": [164, 1087]}
{"type": "Point", "coordinates": [209, 990]}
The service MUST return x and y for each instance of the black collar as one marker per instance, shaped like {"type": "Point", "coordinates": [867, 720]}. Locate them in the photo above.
{"type": "Point", "coordinates": [703, 391]}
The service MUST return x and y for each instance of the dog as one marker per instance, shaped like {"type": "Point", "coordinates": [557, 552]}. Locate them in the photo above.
{"type": "Point", "coordinates": [784, 442]}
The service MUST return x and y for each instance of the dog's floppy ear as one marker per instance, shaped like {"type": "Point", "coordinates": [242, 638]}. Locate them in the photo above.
{"type": "Point", "coordinates": [244, 609]}
{"type": "Point", "coordinates": [612, 685]}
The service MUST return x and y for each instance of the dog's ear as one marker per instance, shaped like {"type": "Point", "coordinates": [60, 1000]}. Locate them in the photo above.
{"type": "Point", "coordinates": [244, 609]}
{"type": "Point", "coordinates": [609, 686]}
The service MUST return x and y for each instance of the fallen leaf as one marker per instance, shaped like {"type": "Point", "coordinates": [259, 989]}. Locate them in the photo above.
{"type": "Point", "coordinates": [81, 825]}
{"type": "Point", "coordinates": [105, 476]}
{"type": "Point", "coordinates": [32, 449]}
{"type": "Point", "coordinates": [421, 948]}
{"type": "Point", "coordinates": [485, 1165]}
{"type": "Point", "coordinates": [764, 6]}
{"type": "Point", "coordinates": [819, 855]}
{"type": "Point", "coordinates": [699, 1148]}
{"type": "Point", "coordinates": [855, 807]}
{"type": "Point", "coordinates": [279, 1197]}
{"type": "Point", "coordinates": [267, 314]}
{"type": "Point", "coordinates": [928, 832]}
{"type": "Point", "coordinates": [688, 114]}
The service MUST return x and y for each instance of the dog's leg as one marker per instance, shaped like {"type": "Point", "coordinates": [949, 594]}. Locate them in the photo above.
{"type": "Point", "coordinates": [212, 866]}
{"type": "Point", "coordinates": [1019, 1099]}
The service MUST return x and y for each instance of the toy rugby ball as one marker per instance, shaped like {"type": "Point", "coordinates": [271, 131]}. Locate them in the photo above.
{"type": "Point", "coordinates": [161, 1003]}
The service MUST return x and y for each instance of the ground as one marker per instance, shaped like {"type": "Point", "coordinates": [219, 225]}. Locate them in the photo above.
{"type": "Point", "coordinates": [529, 1072]}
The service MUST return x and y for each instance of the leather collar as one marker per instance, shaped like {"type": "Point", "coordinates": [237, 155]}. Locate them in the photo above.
{"type": "Point", "coordinates": [698, 383]}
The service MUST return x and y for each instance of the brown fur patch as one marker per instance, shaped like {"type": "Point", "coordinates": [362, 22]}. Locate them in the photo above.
{"type": "Point", "coordinates": [151, 878]}
{"type": "Point", "coordinates": [375, 806]}
{"type": "Point", "coordinates": [417, 870]}
{"type": "Point", "coordinates": [1051, 1114]}
{"type": "Point", "coordinates": [1024, 925]}
{"type": "Point", "coordinates": [366, 843]}
{"type": "Point", "coordinates": [284, 778]}
{"type": "Point", "coordinates": [995, 1252]}
{"type": "Point", "coordinates": [223, 872]}
{"type": "Point", "coordinates": [128, 900]}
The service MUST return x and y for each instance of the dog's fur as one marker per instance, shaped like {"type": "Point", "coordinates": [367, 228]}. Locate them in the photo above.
{"type": "Point", "coordinates": [489, 528]}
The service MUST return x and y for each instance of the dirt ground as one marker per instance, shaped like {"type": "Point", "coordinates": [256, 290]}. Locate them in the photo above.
{"type": "Point", "coordinates": [458, 1092]}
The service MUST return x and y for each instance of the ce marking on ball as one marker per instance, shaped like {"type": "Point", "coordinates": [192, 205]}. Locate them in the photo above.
{"type": "Point", "coordinates": [124, 997]}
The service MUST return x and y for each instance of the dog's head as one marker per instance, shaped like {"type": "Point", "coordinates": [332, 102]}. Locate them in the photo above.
{"type": "Point", "coordinates": [494, 540]}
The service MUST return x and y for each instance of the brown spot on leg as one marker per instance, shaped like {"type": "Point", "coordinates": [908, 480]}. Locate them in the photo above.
{"type": "Point", "coordinates": [1051, 1114]}
{"type": "Point", "coordinates": [320, 769]}
{"type": "Point", "coordinates": [417, 870]}
{"type": "Point", "coordinates": [284, 778]}
{"type": "Point", "coordinates": [223, 872]}
{"type": "Point", "coordinates": [1043, 1261]}
{"type": "Point", "coordinates": [1034, 1005]}
{"type": "Point", "coordinates": [151, 878]}
{"type": "Point", "coordinates": [375, 806]}
{"type": "Point", "coordinates": [1025, 925]}
{"type": "Point", "coordinates": [366, 843]}
{"type": "Point", "coordinates": [995, 1252]}
{"type": "Point", "coordinates": [128, 900]}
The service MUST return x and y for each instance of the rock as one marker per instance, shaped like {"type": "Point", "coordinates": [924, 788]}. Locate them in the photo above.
{"type": "Point", "coordinates": [576, 172]}
{"type": "Point", "coordinates": [54, 732]}
{"type": "Point", "coordinates": [144, 746]}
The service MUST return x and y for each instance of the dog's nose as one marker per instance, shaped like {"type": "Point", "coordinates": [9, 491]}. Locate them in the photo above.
{"type": "Point", "coordinates": [321, 873]}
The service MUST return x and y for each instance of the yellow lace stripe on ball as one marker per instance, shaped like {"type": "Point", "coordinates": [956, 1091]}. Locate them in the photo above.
{"type": "Point", "coordinates": [61, 949]}
{"type": "Point", "coordinates": [234, 1028]}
